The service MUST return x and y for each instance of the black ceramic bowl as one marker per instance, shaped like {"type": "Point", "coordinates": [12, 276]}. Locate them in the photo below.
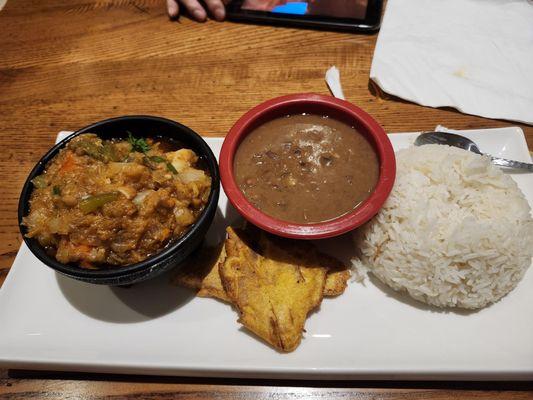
{"type": "Point", "coordinates": [177, 250]}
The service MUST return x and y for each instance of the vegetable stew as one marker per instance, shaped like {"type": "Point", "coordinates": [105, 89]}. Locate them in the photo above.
{"type": "Point", "coordinates": [109, 203]}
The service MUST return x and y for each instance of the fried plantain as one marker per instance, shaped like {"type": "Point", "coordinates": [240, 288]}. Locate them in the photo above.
{"type": "Point", "coordinates": [200, 272]}
{"type": "Point", "coordinates": [273, 282]}
{"type": "Point", "coordinates": [212, 285]}
{"type": "Point", "coordinates": [307, 254]}
{"type": "Point", "coordinates": [336, 282]}
{"type": "Point", "coordinates": [273, 297]}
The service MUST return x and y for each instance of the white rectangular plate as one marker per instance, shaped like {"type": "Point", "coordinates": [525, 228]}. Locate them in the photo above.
{"type": "Point", "coordinates": [48, 321]}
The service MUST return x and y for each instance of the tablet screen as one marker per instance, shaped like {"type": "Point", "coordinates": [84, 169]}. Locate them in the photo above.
{"type": "Point", "coordinates": [355, 9]}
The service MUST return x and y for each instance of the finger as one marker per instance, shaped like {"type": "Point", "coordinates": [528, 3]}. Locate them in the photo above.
{"type": "Point", "coordinates": [172, 8]}
{"type": "Point", "coordinates": [195, 9]}
{"type": "Point", "coordinates": [216, 8]}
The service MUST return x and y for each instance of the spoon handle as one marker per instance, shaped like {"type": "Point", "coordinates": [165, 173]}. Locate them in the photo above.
{"type": "Point", "coordinates": [511, 164]}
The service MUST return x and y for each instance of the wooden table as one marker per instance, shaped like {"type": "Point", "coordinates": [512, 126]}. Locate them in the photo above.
{"type": "Point", "coordinates": [67, 63]}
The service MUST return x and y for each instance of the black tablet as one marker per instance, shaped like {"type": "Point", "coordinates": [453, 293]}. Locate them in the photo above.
{"type": "Point", "coordinates": [346, 15]}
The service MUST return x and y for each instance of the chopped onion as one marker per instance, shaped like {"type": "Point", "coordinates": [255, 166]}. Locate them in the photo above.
{"type": "Point", "coordinates": [191, 175]}
{"type": "Point", "coordinates": [138, 200]}
{"type": "Point", "coordinates": [127, 191]}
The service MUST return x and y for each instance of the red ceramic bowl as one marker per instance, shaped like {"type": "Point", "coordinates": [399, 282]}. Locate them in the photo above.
{"type": "Point", "coordinates": [313, 104]}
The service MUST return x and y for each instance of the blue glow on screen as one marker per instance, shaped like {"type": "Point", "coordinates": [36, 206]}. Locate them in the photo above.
{"type": "Point", "coordinates": [296, 7]}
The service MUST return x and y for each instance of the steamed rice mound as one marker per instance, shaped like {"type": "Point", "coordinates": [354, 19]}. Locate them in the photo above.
{"type": "Point", "coordinates": [455, 232]}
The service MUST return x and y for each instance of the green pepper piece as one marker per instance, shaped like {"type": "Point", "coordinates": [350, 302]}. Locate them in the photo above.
{"type": "Point", "coordinates": [93, 203]}
{"type": "Point", "coordinates": [39, 182]}
{"type": "Point", "coordinates": [157, 159]}
{"type": "Point", "coordinates": [171, 168]}
{"type": "Point", "coordinates": [92, 150]}
{"type": "Point", "coordinates": [149, 163]}
{"type": "Point", "coordinates": [56, 191]}
{"type": "Point", "coordinates": [109, 152]}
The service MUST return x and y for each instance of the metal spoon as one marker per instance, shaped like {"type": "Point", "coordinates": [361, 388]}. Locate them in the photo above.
{"type": "Point", "coordinates": [452, 139]}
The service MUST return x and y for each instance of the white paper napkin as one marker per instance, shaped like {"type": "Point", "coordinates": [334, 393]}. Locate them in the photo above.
{"type": "Point", "coordinates": [473, 55]}
{"type": "Point", "coordinates": [333, 80]}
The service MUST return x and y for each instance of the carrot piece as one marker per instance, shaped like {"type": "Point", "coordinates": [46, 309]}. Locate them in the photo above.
{"type": "Point", "coordinates": [84, 249]}
{"type": "Point", "coordinates": [69, 164]}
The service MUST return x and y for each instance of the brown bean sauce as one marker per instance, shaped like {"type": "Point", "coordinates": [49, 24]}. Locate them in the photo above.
{"type": "Point", "coordinates": [306, 168]}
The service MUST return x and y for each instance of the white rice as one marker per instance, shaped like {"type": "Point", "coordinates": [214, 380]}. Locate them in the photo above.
{"type": "Point", "coordinates": [455, 232]}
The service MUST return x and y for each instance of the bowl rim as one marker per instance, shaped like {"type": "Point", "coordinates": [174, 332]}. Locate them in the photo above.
{"type": "Point", "coordinates": [334, 227]}
{"type": "Point", "coordinates": [153, 261]}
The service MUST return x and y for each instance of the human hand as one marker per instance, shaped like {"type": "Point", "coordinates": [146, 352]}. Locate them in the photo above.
{"type": "Point", "coordinates": [196, 9]}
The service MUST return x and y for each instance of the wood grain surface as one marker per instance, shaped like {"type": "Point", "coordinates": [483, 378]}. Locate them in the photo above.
{"type": "Point", "coordinates": [67, 63]}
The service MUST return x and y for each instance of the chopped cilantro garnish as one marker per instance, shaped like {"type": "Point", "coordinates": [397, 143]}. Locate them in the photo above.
{"type": "Point", "coordinates": [138, 144]}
